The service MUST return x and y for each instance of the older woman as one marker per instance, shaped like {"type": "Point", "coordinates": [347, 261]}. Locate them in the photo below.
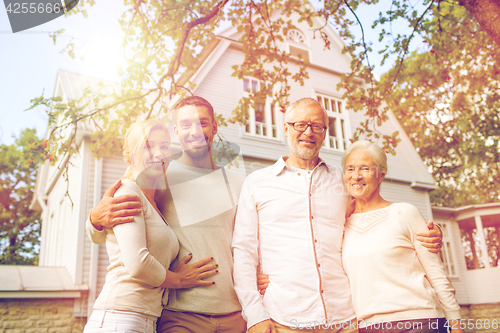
{"type": "Point", "coordinates": [396, 284]}
{"type": "Point", "coordinates": [140, 252]}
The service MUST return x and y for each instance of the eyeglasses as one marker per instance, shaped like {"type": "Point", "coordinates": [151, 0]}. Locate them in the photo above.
{"type": "Point", "coordinates": [302, 127]}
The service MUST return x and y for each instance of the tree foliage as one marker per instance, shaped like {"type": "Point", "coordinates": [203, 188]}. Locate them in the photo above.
{"type": "Point", "coordinates": [19, 226]}
{"type": "Point", "coordinates": [458, 47]}
{"type": "Point", "coordinates": [448, 101]}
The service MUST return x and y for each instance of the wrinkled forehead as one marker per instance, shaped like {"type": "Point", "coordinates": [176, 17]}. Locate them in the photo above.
{"type": "Point", "coordinates": [308, 113]}
{"type": "Point", "coordinates": [360, 157]}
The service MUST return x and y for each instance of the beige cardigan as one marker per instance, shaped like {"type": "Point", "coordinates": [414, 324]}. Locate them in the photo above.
{"type": "Point", "coordinates": [139, 255]}
{"type": "Point", "coordinates": [392, 276]}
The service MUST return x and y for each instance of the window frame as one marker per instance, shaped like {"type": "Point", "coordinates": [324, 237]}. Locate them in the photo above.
{"type": "Point", "coordinates": [302, 46]}
{"type": "Point", "coordinates": [266, 129]}
{"type": "Point", "coordinates": [341, 123]}
{"type": "Point", "coordinates": [447, 254]}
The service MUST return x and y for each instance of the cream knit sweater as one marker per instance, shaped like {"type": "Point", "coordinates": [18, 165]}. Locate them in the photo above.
{"type": "Point", "coordinates": [139, 256]}
{"type": "Point", "coordinates": [392, 276]}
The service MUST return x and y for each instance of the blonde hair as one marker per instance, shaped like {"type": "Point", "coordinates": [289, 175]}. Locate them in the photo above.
{"type": "Point", "coordinates": [135, 140]}
{"type": "Point", "coordinates": [377, 153]}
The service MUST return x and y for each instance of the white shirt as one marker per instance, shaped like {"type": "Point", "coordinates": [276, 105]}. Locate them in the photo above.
{"type": "Point", "coordinates": [291, 222]}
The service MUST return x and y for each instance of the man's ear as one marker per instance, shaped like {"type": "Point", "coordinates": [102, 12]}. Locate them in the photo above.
{"type": "Point", "coordinates": [286, 129]}
{"type": "Point", "coordinates": [176, 130]}
{"type": "Point", "coordinates": [214, 127]}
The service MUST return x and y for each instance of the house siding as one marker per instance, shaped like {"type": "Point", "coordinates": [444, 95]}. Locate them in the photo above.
{"type": "Point", "coordinates": [487, 291]}
{"type": "Point", "coordinates": [62, 229]}
{"type": "Point", "coordinates": [113, 168]}
{"type": "Point", "coordinates": [459, 283]}
{"type": "Point", "coordinates": [400, 192]}
{"type": "Point", "coordinates": [87, 243]}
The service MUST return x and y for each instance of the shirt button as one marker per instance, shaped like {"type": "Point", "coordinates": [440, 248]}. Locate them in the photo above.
{"type": "Point", "coordinates": [322, 291]}
{"type": "Point", "coordinates": [315, 241]}
{"type": "Point", "coordinates": [298, 174]}
{"type": "Point", "coordinates": [312, 217]}
{"type": "Point", "coordinates": [319, 265]}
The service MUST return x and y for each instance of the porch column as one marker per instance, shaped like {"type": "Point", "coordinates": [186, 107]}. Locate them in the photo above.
{"type": "Point", "coordinates": [484, 249]}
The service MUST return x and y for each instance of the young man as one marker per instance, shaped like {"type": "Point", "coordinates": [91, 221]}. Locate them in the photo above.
{"type": "Point", "coordinates": [290, 222]}
{"type": "Point", "coordinates": [199, 205]}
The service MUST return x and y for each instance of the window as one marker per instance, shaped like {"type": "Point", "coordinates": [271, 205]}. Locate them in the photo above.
{"type": "Point", "coordinates": [263, 120]}
{"type": "Point", "coordinates": [481, 241]}
{"type": "Point", "coordinates": [297, 45]}
{"type": "Point", "coordinates": [446, 253]}
{"type": "Point", "coordinates": [296, 36]}
{"type": "Point", "coordinates": [471, 243]}
{"type": "Point", "coordinates": [337, 135]}
{"type": "Point", "coordinates": [492, 238]}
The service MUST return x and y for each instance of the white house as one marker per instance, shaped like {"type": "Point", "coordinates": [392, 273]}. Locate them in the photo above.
{"type": "Point", "coordinates": [65, 244]}
{"type": "Point", "coordinates": [471, 256]}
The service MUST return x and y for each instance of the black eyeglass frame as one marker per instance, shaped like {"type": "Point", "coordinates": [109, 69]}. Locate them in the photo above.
{"type": "Point", "coordinates": [307, 125]}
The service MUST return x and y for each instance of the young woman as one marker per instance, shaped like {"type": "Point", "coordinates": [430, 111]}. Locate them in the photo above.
{"type": "Point", "coordinates": [140, 252]}
{"type": "Point", "coordinates": [396, 284]}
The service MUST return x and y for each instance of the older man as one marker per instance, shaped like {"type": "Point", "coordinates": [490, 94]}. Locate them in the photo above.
{"type": "Point", "coordinates": [289, 224]}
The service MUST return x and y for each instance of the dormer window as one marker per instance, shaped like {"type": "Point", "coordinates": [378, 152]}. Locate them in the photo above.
{"type": "Point", "coordinates": [297, 45]}
{"type": "Point", "coordinates": [296, 36]}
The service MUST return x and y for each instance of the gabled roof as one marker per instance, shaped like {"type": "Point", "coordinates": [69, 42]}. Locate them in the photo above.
{"type": "Point", "coordinates": [414, 171]}
{"type": "Point", "coordinates": [72, 86]}
{"type": "Point", "coordinates": [232, 32]}
{"type": "Point", "coordinates": [229, 37]}
{"type": "Point", "coordinates": [423, 179]}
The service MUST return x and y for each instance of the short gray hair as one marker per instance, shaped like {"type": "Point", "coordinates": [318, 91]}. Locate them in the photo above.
{"type": "Point", "coordinates": [305, 101]}
{"type": "Point", "coordinates": [377, 153]}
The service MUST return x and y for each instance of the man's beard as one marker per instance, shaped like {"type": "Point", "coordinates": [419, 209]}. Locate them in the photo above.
{"type": "Point", "coordinates": [303, 153]}
{"type": "Point", "coordinates": [199, 152]}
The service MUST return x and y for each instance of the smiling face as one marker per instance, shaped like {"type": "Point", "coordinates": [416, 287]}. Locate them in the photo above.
{"type": "Point", "coordinates": [195, 128]}
{"type": "Point", "coordinates": [154, 157]}
{"type": "Point", "coordinates": [305, 145]}
{"type": "Point", "coordinates": [362, 175]}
